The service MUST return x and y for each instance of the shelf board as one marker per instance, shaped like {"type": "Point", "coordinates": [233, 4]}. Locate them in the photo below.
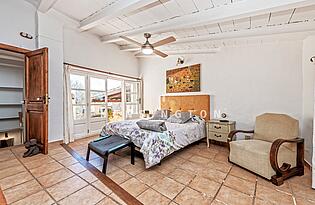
{"type": "Point", "coordinates": [10, 118]}
{"type": "Point", "coordinates": [11, 129]}
{"type": "Point", "coordinates": [10, 104]}
{"type": "Point", "coordinates": [10, 88]}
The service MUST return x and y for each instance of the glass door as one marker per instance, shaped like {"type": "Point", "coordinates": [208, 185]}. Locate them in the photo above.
{"type": "Point", "coordinates": [114, 100]}
{"type": "Point", "coordinates": [97, 108]}
{"type": "Point", "coordinates": [132, 93]}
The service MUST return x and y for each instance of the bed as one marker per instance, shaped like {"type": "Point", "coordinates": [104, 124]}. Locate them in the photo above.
{"type": "Point", "coordinates": [155, 146]}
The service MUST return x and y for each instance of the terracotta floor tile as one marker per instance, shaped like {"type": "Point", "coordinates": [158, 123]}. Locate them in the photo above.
{"type": "Point", "coordinates": [303, 191]}
{"type": "Point", "coordinates": [107, 201]}
{"type": "Point", "coordinates": [97, 162]}
{"type": "Point", "coordinates": [88, 176]}
{"type": "Point", "coordinates": [39, 198]}
{"type": "Point", "coordinates": [262, 202]}
{"type": "Point", "coordinates": [168, 187]}
{"type": "Point", "coordinates": [212, 174]}
{"type": "Point", "coordinates": [204, 185]}
{"type": "Point", "coordinates": [21, 191]}
{"type": "Point", "coordinates": [103, 188]}
{"type": "Point", "coordinates": [37, 163]}
{"type": "Point", "coordinates": [164, 168]}
{"type": "Point", "coordinates": [233, 197]}
{"type": "Point", "coordinates": [240, 185]}
{"type": "Point", "coordinates": [77, 168]}
{"type": "Point", "coordinates": [189, 197]}
{"type": "Point", "coordinates": [14, 180]}
{"type": "Point", "coordinates": [150, 197]}
{"type": "Point", "coordinates": [191, 167]}
{"type": "Point", "coordinates": [121, 162]}
{"type": "Point", "coordinates": [46, 169]}
{"type": "Point", "coordinates": [61, 155]}
{"type": "Point", "coordinates": [68, 161]}
{"type": "Point", "coordinates": [175, 160]}
{"type": "Point", "coordinates": [9, 163]}
{"type": "Point", "coordinates": [119, 176]}
{"type": "Point", "coordinates": [133, 170]}
{"type": "Point", "coordinates": [11, 171]}
{"type": "Point", "coordinates": [184, 154]}
{"type": "Point", "coordinates": [67, 187]}
{"type": "Point", "coordinates": [207, 153]}
{"type": "Point", "coordinates": [150, 177]}
{"type": "Point", "coordinates": [285, 187]}
{"type": "Point", "coordinates": [54, 177]}
{"type": "Point", "coordinates": [181, 176]}
{"type": "Point", "coordinates": [305, 180]}
{"type": "Point", "coordinates": [242, 173]}
{"type": "Point", "coordinates": [274, 196]}
{"type": "Point", "coordinates": [303, 201]}
{"type": "Point", "coordinates": [87, 195]}
{"type": "Point", "coordinates": [31, 159]}
{"type": "Point", "coordinates": [55, 151]}
{"type": "Point", "coordinates": [117, 199]}
{"type": "Point", "coordinates": [199, 159]}
{"type": "Point", "coordinates": [220, 166]}
{"type": "Point", "coordinates": [134, 186]}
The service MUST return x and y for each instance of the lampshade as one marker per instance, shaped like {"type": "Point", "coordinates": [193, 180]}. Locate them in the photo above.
{"type": "Point", "coordinates": [147, 49]}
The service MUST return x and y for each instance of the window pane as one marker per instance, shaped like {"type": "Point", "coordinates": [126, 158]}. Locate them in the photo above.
{"type": "Point", "coordinates": [97, 97]}
{"type": "Point", "coordinates": [77, 81]}
{"type": "Point", "coordinates": [114, 90]}
{"type": "Point", "coordinates": [78, 97]}
{"type": "Point", "coordinates": [132, 110]}
{"type": "Point", "coordinates": [132, 87]}
{"type": "Point", "coordinates": [79, 112]}
{"type": "Point", "coordinates": [98, 111]}
{"type": "Point", "coordinates": [114, 112]}
{"type": "Point", "coordinates": [131, 98]}
{"type": "Point", "coordinates": [97, 84]}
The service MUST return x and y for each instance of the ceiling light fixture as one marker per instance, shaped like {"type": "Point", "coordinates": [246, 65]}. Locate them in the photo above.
{"type": "Point", "coordinates": [147, 48]}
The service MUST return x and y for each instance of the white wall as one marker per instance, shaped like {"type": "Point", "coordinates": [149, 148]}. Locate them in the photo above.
{"type": "Point", "coordinates": [87, 50]}
{"type": "Point", "coordinates": [245, 81]}
{"type": "Point", "coordinates": [308, 95]}
{"type": "Point", "coordinates": [17, 16]}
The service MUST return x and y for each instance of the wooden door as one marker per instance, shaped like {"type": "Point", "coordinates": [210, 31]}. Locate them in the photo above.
{"type": "Point", "coordinates": [36, 97]}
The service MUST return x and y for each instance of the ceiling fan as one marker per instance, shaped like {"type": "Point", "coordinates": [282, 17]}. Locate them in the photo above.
{"type": "Point", "coordinates": [147, 48]}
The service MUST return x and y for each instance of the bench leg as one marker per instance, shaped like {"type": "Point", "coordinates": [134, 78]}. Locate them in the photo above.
{"type": "Point", "coordinates": [132, 148]}
{"type": "Point", "coordinates": [88, 154]}
{"type": "Point", "coordinates": [105, 163]}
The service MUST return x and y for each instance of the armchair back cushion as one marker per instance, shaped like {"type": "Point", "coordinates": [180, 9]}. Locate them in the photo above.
{"type": "Point", "coordinates": [271, 126]}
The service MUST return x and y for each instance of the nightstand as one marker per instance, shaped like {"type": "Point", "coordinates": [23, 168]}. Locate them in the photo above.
{"type": "Point", "coordinates": [219, 131]}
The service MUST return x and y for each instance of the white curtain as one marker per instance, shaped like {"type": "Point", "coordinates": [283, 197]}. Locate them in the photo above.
{"type": "Point", "coordinates": [67, 107]}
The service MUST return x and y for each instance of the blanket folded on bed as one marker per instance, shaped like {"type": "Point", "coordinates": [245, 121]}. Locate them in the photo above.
{"type": "Point", "coordinates": [152, 125]}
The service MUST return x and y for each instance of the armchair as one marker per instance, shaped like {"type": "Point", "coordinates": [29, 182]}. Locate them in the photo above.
{"type": "Point", "coordinates": [275, 141]}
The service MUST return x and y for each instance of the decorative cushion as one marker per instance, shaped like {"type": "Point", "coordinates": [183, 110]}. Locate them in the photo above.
{"type": "Point", "coordinates": [254, 156]}
{"type": "Point", "coordinates": [180, 117]}
{"type": "Point", "coordinates": [161, 115]}
{"type": "Point", "coordinates": [152, 125]}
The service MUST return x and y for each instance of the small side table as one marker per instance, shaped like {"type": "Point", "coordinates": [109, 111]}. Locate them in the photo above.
{"type": "Point", "coordinates": [218, 131]}
{"type": "Point", "coordinates": [6, 142]}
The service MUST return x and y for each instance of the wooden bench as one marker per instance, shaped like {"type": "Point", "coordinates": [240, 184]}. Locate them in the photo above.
{"type": "Point", "coordinates": [110, 144]}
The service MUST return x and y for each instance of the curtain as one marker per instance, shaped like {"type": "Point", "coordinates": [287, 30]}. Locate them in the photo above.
{"type": "Point", "coordinates": [67, 107]}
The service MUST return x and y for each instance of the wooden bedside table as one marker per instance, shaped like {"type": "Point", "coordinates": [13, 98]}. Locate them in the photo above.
{"type": "Point", "coordinates": [219, 131]}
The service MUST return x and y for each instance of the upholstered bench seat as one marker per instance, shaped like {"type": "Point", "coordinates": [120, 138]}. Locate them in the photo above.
{"type": "Point", "coordinates": [254, 155]}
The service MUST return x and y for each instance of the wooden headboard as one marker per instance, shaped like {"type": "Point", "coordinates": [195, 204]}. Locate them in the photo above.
{"type": "Point", "coordinates": [197, 104]}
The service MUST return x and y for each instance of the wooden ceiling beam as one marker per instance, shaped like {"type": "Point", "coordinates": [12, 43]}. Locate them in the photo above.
{"type": "Point", "coordinates": [116, 9]}
{"type": "Point", "coordinates": [46, 5]}
{"type": "Point", "coordinates": [242, 9]}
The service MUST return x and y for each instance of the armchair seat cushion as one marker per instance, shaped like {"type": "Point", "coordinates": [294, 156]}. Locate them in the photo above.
{"type": "Point", "coordinates": [254, 156]}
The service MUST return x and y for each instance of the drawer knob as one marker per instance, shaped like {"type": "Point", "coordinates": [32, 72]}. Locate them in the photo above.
{"type": "Point", "coordinates": [217, 135]}
{"type": "Point", "coordinates": [217, 127]}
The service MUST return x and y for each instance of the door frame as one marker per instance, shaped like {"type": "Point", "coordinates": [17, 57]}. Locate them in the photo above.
{"type": "Point", "coordinates": [13, 48]}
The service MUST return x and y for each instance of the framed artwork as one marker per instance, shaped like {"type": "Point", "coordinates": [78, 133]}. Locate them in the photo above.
{"type": "Point", "coordinates": [185, 79]}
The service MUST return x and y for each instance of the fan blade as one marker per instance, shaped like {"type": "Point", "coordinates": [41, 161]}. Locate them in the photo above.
{"type": "Point", "coordinates": [159, 53]}
{"type": "Point", "coordinates": [164, 41]}
{"type": "Point", "coordinates": [131, 41]}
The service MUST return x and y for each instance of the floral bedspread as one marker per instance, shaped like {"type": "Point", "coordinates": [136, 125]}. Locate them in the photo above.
{"type": "Point", "coordinates": [156, 145]}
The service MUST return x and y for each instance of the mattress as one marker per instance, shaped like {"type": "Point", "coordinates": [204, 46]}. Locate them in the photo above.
{"type": "Point", "coordinates": [157, 145]}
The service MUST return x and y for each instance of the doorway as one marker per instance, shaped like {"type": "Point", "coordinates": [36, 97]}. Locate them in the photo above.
{"type": "Point", "coordinates": [23, 96]}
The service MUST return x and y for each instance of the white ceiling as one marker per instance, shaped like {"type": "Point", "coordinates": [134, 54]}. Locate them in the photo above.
{"type": "Point", "coordinates": [196, 24]}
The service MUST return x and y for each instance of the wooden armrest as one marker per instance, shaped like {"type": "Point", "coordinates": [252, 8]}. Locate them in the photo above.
{"type": "Point", "coordinates": [285, 166]}
{"type": "Point", "coordinates": [234, 132]}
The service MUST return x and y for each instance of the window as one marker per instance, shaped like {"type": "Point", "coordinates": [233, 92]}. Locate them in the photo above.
{"type": "Point", "coordinates": [78, 93]}
{"type": "Point", "coordinates": [98, 99]}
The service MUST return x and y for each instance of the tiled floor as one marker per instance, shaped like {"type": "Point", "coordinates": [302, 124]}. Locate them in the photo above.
{"type": "Point", "coordinates": [56, 178]}
{"type": "Point", "coordinates": [199, 175]}
{"type": "Point", "coordinates": [196, 175]}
